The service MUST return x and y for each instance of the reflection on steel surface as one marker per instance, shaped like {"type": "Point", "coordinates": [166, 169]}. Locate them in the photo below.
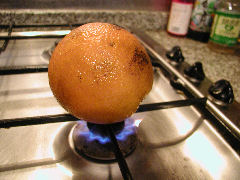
{"type": "Point", "coordinates": [35, 34]}
{"type": "Point", "coordinates": [188, 131]}
{"type": "Point", "coordinates": [209, 159]}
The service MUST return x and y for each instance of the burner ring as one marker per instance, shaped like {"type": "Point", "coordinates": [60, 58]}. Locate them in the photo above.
{"type": "Point", "coordinates": [92, 148]}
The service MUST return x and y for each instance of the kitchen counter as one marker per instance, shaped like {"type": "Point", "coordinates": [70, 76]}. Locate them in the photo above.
{"type": "Point", "coordinates": [216, 66]}
{"type": "Point", "coordinates": [145, 20]}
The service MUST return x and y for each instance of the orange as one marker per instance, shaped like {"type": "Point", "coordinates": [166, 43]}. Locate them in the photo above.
{"type": "Point", "coordinates": [100, 73]}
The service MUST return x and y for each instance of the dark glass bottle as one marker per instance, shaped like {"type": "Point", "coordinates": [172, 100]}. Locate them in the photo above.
{"type": "Point", "coordinates": [201, 20]}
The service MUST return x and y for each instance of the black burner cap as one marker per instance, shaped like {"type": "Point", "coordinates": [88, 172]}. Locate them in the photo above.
{"type": "Point", "coordinates": [101, 128]}
{"type": "Point", "coordinates": [221, 92]}
{"type": "Point", "coordinates": [175, 55]}
{"type": "Point", "coordinates": [195, 72]}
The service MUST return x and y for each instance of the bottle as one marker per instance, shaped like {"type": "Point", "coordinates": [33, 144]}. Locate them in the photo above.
{"type": "Point", "coordinates": [226, 27]}
{"type": "Point", "coordinates": [179, 18]}
{"type": "Point", "coordinates": [201, 20]}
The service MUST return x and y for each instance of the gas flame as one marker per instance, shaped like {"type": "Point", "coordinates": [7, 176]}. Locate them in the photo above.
{"type": "Point", "coordinates": [130, 128]}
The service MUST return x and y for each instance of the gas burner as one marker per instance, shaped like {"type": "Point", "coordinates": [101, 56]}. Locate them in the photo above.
{"type": "Point", "coordinates": [92, 141]}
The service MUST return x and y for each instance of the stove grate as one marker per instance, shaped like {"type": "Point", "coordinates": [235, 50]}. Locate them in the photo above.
{"type": "Point", "coordinates": [126, 174]}
{"type": "Point", "coordinates": [27, 121]}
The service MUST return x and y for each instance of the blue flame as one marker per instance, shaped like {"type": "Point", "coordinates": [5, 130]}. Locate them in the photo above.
{"type": "Point", "coordinates": [128, 129]}
{"type": "Point", "coordinates": [101, 139]}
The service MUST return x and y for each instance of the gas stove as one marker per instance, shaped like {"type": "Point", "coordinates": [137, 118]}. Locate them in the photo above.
{"type": "Point", "coordinates": [178, 131]}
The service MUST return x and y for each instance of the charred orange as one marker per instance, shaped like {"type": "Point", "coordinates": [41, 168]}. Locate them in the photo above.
{"type": "Point", "coordinates": [100, 73]}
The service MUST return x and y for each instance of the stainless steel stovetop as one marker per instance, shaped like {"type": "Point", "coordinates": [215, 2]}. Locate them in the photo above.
{"type": "Point", "coordinates": [173, 143]}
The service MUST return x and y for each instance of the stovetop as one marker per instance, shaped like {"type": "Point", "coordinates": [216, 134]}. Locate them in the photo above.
{"type": "Point", "coordinates": [173, 143]}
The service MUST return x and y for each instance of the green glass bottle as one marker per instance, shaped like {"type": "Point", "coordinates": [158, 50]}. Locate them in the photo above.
{"type": "Point", "coordinates": [226, 27]}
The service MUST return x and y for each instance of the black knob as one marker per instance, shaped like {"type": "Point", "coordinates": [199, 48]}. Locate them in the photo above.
{"type": "Point", "coordinates": [221, 92]}
{"type": "Point", "coordinates": [175, 55]}
{"type": "Point", "coordinates": [195, 72]}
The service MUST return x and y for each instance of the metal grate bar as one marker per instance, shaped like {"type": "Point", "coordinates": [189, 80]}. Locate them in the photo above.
{"type": "Point", "coordinates": [39, 25]}
{"type": "Point", "coordinates": [4, 46]}
{"type": "Point", "coordinates": [27, 121]}
{"type": "Point", "coordinates": [35, 34]}
{"type": "Point", "coordinates": [11, 70]}
{"type": "Point", "coordinates": [172, 104]}
{"type": "Point", "coordinates": [7, 123]}
{"type": "Point", "coordinates": [126, 174]}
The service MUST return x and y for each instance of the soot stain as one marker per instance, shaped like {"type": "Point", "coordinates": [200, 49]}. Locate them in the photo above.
{"type": "Point", "coordinates": [117, 27]}
{"type": "Point", "coordinates": [111, 44]}
{"type": "Point", "coordinates": [79, 77]}
{"type": "Point", "coordinates": [140, 58]}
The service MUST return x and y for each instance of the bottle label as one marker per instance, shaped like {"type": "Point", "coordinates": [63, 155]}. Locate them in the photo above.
{"type": "Point", "coordinates": [225, 29]}
{"type": "Point", "coordinates": [201, 19]}
{"type": "Point", "coordinates": [179, 18]}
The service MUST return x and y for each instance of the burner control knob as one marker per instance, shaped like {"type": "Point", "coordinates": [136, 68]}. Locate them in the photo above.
{"type": "Point", "coordinates": [221, 92]}
{"type": "Point", "coordinates": [175, 55]}
{"type": "Point", "coordinates": [195, 73]}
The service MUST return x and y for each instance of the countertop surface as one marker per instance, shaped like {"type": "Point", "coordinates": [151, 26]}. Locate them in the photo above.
{"type": "Point", "coordinates": [145, 20]}
{"type": "Point", "coordinates": [216, 65]}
